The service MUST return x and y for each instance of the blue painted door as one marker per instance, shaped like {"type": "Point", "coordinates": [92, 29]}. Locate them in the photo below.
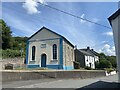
{"type": "Point", "coordinates": [43, 60]}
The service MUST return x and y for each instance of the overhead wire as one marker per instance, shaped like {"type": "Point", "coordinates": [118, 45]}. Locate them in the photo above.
{"type": "Point", "coordinates": [70, 14]}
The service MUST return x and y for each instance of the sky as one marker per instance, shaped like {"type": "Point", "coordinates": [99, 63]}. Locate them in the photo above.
{"type": "Point", "coordinates": [27, 18]}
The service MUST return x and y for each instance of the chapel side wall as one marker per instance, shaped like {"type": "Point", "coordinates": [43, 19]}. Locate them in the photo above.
{"type": "Point", "coordinates": [68, 54]}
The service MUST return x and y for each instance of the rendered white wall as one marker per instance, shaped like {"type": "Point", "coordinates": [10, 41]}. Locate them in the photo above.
{"type": "Point", "coordinates": [116, 33]}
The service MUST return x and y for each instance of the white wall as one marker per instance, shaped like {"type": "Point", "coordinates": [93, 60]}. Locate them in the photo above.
{"type": "Point", "coordinates": [88, 60]}
{"type": "Point", "coordinates": [116, 33]}
{"type": "Point", "coordinates": [40, 51]}
{"type": "Point", "coordinates": [96, 59]}
{"type": "Point", "coordinates": [44, 34]}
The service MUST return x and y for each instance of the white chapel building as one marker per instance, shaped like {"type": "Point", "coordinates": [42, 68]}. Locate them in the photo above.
{"type": "Point", "coordinates": [48, 49]}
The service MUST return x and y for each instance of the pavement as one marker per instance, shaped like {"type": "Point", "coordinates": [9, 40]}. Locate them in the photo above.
{"type": "Point", "coordinates": [76, 84]}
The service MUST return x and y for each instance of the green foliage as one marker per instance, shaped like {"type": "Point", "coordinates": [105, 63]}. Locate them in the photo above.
{"type": "Point", "coordinates": [96, 64]}
{"type": "Point", "coordinates": [6, 36]}
{"type": "Point", "coordinates": [109, 70]}
{"type": "Point", "coordinates": [12, 46]}
{"type": "Point", "coordinates": [113, 61]}
{"type": "Point", "coordinates": [11, 53]}
{"type": "Point", "coordinates": [105, 64]}
{"type": "Point", "coordinates": [102, 56]}
{"type": "Point", "coordinates": [106, 61]}
{"type": "Point", "coordinates": [19, 43]}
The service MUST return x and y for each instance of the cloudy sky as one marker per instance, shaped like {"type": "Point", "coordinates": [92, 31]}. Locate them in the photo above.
{"type": "Point", "coordinates": [27, 18]}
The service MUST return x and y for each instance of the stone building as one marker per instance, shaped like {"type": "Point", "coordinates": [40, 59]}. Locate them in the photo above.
{"type": "Point", "coordinates": [48, 49]}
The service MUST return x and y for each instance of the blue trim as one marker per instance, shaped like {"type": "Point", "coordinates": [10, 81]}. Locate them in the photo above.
{"type": "Point", "coordinates": [68, 67]}
{"type": "Point", "coordinates": [27, 51]}
{"type": "Point", "coordinates": [61, 53]}
{"type": "Point", "coordinates": [33, 66]}
{"type": "Point", "coordinates": [53, 66]}
{"type": "Point", "coordinates": [44, 39]}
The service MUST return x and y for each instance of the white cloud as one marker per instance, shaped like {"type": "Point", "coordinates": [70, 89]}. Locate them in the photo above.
{"type": "Point", "coordinates": [110, 33]}
{"type": "Point", "coordinates": [103, 42]}
{"type": "Point", "coordinates": [31, 6]}
{"type": "Point", "coordinates": [82, 16]}
{"type": "Point", "coordinates": [108, 50]}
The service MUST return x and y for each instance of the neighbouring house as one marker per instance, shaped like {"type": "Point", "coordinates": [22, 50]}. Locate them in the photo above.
{"type": "Point", "coordinates": [48, 49]}
{"type": "Point", "coordinates": [115, 23]}
{"type": "Point", "coordinates": [93, 53]}
{"type": "Point", "coordinates": [86, 57]}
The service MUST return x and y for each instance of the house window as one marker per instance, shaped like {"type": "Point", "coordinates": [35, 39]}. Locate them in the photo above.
{"type": "Point", "coordinates": [54, 51]}
{"type": "Point", "coordinates": [33, 52]}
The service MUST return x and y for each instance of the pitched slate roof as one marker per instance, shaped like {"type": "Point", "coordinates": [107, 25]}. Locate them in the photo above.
{"type": "Point", "coordinates": [93, 53]}
{"type": "Point", "coordinates": [114, 16]}
{"type": "Point", "coordinates": [85, 52]}
{"type": "Point", "coordinates": [52, 32]}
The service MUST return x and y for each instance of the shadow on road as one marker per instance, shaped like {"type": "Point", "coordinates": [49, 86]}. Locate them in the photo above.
{"type": "Point", "coordinates": [101, 84]}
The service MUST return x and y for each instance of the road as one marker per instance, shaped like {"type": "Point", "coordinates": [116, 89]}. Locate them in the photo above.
{"type": "Point", "coordinates": [101, 82]}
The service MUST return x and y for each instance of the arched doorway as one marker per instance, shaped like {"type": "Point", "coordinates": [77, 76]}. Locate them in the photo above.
{"type": "Point", "coordinates": [43, 60]}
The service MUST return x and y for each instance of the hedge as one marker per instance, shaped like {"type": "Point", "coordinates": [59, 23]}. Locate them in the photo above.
{"type": "Point", "coordinates": [12, 53]}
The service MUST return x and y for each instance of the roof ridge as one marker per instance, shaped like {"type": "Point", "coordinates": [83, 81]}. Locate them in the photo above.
{"type": "Point", "coordinates": [52, 32]}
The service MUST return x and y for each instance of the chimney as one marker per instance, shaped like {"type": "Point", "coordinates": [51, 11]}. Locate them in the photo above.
{"type": "Point", "coordinates": [88, 47]}
{"type": "Point", "coordinates": [75, 46]}
{"type": "Point", "coordinates": [92, 49]}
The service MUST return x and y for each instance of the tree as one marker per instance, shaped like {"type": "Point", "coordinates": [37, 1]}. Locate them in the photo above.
{"type": "Point", "coordinates": [6, 36]}
{"type": "Point", "coordinates": [102, 56]}
{"type": "Point", "coordinates": [105, 64]}
{"type": "Point", "coordinates": [113, 61]}
{"type": "Point", "coordinates": [20, 42]}
{"type": "Point", "coordinates": [97, 65]}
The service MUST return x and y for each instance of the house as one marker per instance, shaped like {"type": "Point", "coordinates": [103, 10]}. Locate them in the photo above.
{"type": "Point", "coordinates": [115, 23]}
{"type": "Point", "coordinates": [93, 53]}
{"type": "Point", "coordinates": [49, 49]}
{"type": "Point", "coordinates": [86, 57]}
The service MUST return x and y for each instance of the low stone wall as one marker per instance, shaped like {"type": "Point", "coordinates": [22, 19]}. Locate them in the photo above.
{"type": "Point", "coordinates": [17, 62]}
{"type": "Point", "coordinates": [16, 75]}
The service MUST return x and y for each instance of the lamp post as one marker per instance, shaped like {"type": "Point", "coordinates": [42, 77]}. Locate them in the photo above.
{"type": "Point", "coordinates": [115, 23]}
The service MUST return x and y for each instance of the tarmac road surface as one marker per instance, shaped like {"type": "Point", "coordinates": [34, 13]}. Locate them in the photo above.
{"type": "Point", "coordinates": [101, 82]}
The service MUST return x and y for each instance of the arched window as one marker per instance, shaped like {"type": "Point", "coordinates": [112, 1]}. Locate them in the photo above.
{"type": "Point", "coordinates": [54, 51]}
{"type": "Point", "coordinates": [33, 52]}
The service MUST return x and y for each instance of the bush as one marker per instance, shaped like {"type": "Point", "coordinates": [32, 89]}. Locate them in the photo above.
{"type": "Point", "coordinates": [105, 64]}
{"type": "Point", "coordinates": [12, 53]}
{"type": "Point", "coordinates": [109, 70]}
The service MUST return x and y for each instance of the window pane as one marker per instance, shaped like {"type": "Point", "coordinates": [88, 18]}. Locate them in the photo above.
{"type": "Point", "coordinates": [33, 53]}
{"type": "Point", "coordinates": [54, 51]}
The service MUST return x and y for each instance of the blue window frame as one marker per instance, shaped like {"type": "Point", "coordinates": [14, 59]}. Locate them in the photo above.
{"type": "Point", "coordinates": [54, 51]}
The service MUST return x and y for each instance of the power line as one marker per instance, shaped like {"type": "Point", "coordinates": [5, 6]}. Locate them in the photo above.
{"type": "Point", "coordinates": [74, 15]}
{"type": "Point", "coordinates": [43, 19]}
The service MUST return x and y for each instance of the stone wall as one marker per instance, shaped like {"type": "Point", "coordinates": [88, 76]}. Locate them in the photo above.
{"type": "Point", "coordinates": [16, 75]}
{"type": "Point", "coordinates": [17, 62]}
